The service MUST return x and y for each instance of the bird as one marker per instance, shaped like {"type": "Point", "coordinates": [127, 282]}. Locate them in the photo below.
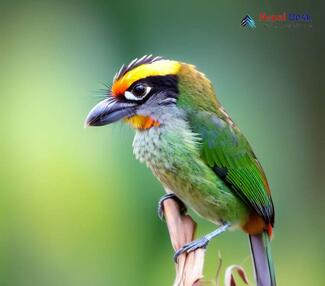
{"type": "Point", "coordinates": [196, 151]}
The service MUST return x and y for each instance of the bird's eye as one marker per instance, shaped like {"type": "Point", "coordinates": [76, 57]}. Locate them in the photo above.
{"type": "Point", "coordinates": [138, 92]}
{"type": "Point", "coordinates": [141, 90]}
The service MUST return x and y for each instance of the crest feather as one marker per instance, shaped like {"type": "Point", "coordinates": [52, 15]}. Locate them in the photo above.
{"type": "Point", "coordinates": [146, 59]}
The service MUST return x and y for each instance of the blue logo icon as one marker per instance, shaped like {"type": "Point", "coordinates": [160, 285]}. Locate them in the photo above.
{"type": "Point", "coordinates": [248, 21]}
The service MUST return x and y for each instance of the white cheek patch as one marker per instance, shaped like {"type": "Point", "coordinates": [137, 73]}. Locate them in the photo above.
{"type": "Point", "coordinates": [130, 96]}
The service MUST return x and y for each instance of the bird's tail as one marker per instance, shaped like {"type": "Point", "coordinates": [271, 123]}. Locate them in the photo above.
{"type": "Point", "coordinates": [262, 259]}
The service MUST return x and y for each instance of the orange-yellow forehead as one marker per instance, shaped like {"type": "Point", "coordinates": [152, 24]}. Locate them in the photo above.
{"type": "Point", "coordinates": [157, 68]}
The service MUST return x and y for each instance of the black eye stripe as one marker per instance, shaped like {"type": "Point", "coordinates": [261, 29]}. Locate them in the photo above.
{"type": "Point", "coordinates": [167, 84]}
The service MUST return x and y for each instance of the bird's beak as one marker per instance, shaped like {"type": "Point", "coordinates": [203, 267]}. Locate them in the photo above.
{"type": "Point", "coordinates": [108, 111]}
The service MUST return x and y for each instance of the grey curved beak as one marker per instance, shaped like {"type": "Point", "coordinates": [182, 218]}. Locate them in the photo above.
{"type": "Point", "coordinates": [108, 111]}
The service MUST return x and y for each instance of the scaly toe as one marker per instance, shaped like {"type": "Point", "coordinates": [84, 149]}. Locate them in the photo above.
{"type": "Point", "coordinates": [160, 211]}
{"type": "Point", "coordinates": [202, 243]}
{"type": "Point", "coordinates": [178, 253]}
{"type": "Point", "coordinates": [189, 247]}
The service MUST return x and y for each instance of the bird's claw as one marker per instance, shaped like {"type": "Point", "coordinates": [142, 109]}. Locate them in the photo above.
{"type": "Point", "coordinates": [160, 211]}
{"type": "Point", "coordinates": [191, 246]}
{"type": "Point", "coordinates": [202, 242]}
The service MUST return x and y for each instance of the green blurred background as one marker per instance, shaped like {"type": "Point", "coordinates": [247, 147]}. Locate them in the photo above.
{"type": "Point", "coordinates": [76, 208]}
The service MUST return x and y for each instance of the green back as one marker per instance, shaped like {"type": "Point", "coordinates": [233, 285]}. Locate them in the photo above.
{"type": "Point", "coordinates": [223, 147]}
{"type": "Point", "coordinates": [228, 153]}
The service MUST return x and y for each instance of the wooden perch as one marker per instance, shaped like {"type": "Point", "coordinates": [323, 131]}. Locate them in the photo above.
{"type": "Point", "coordinates": [189, 269]}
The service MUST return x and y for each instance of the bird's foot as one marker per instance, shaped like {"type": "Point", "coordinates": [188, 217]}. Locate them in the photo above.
{"type": "Point", "coordinates": [191, 246]}
{"type": "Point", "coordinates": [160, 211]}
{"type": "Point", "coordinates": [200, 243]}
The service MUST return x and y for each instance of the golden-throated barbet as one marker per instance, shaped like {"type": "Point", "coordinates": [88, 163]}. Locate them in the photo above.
{"type": "Point", "coordinates": [194, 149]}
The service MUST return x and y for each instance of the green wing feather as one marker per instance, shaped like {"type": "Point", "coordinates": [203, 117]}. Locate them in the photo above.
{"type": "Point", "coordinates": [228, 153]}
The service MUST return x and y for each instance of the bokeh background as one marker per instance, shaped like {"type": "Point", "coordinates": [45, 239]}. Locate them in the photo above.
{"type": "Point", "coordinates": [76, 208]}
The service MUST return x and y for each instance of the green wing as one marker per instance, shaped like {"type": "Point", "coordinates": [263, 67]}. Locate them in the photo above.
{"type": "Point", "coordinates": [229, 154]}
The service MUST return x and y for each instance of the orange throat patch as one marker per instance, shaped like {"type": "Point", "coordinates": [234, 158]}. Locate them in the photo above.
{"type": "Point", "coordinates": [142, 122]}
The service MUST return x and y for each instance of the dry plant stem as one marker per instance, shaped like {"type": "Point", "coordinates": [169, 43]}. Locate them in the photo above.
{"type": "Point", "coordinates": [189, 269]}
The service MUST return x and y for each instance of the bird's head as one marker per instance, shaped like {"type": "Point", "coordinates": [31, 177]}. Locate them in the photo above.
{"type": "Point", "coordinates": [149, 86]}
